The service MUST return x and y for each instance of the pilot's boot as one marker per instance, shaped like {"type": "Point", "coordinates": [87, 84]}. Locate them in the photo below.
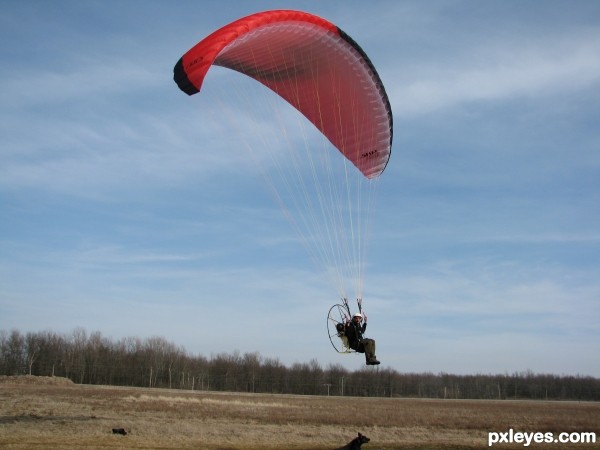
{"type": "Point", "coordinates": [372, 360]}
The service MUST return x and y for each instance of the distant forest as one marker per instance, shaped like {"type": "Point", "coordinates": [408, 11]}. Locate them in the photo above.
{"type": "Point", "coordinates": [154, 362]}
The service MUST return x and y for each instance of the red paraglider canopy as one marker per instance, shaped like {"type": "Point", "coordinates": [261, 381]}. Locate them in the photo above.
{"type": "Point", "coordinates": [315, 67]}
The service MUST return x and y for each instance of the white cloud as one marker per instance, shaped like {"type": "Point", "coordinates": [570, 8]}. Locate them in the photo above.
{"type": "Point", "coordinates": [474, 258]}
{"type": "Point", "coordinates": [547, 67]}
{"type": "Point", "coordinates": [91, 78]}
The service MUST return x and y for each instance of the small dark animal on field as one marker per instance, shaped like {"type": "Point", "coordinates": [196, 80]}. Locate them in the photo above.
{"type": "Point", "coordinates": [355, 443]}
{"type": "Point", "coordinates": [119, 431]}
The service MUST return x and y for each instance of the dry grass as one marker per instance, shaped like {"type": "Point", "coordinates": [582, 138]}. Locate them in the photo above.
{"type": "Point", "coordinates": [55, 413]}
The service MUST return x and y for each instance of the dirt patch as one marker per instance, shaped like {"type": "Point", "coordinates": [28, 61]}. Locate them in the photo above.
{"type": "Point", "coordinates": [31, 379]}
{"type": "Point", "coordinates": [34, 414]}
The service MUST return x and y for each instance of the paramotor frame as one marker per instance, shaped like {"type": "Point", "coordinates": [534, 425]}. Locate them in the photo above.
{"type": "Point", "coordinates": [337, 318]}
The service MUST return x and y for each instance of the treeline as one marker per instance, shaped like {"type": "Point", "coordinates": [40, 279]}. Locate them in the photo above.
{"type": "Point", "coordinates": [154, 362]}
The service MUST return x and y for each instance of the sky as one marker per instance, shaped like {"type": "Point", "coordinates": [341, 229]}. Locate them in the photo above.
{"type": "Point", "coordinates": [121, 213]}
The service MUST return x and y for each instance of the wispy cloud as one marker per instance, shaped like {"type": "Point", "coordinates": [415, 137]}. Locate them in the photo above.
{"type": "Point", "coordinates": [542, 68]}
{"type": "Point", "coordinates": [120, 193]}
{"type": "Point", "coordinates": [89, 78]}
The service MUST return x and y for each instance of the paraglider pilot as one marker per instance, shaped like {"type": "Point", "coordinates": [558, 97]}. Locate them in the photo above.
{"type": "Point", "coordinates": [354, 332]}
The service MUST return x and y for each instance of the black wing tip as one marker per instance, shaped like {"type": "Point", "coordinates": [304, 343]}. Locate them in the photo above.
{"type": "Point", "coordinates": [182, 80]}
{"type": "Point", "coordinates": [388, 105]}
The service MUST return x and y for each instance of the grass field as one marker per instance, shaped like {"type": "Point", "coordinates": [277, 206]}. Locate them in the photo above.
{"type": "Point", "coordinates": [40, 412]}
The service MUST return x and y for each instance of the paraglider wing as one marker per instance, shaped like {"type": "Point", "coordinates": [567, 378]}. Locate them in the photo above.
{"type": "Point", "coordinates": [315, 67]}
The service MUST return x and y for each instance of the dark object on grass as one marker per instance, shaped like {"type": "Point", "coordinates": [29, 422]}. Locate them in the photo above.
{"type": "Point", "coordinates": [355, 443]}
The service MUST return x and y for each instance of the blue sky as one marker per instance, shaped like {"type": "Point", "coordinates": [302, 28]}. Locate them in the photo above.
{"type": "Point", "coordinates": [485, 248]}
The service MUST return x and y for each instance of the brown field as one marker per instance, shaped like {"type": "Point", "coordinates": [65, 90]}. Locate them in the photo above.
{"type": "Point", "coordinates": [40, 412]}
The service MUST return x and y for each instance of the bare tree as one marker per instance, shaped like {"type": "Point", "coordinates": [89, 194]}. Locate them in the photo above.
{"type": "Point", "coordinates": [14, 353]}
{"type": "Point", "coordinates": [157, 362]}
{"type": "Point", "coordinates": [32, 348]}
